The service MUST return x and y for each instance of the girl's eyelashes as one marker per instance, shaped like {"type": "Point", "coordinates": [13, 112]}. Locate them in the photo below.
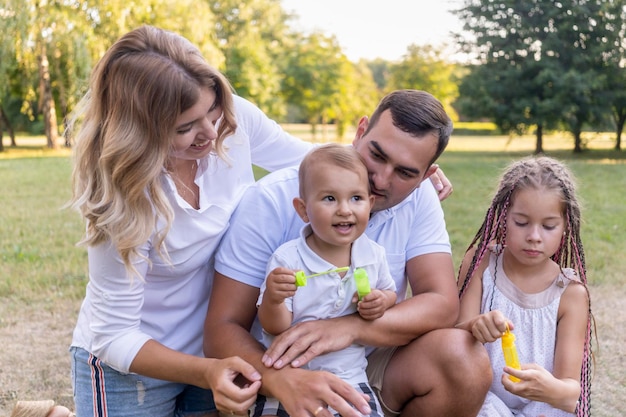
{"type": "Point", "coordinates": [545, 226]}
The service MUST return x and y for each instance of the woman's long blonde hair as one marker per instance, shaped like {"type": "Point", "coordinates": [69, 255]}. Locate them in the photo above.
{"type": "Point", "coordinates": [123, 130]}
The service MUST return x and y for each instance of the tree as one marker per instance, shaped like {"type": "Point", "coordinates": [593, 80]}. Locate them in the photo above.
{"type": "Point", "coordinates": [588, 33]}
{"type": "Point", "coordinates": [615, 70]}
{"type": "Point", "coordinates": [380, 69]}
{"type": "Point", "coordinates": [424, 68]}
{"type": "Point", "coordinates": [57, 42]}
{"type": "Point", "coordinates": [537, 63]}
{"type": "Point", "coordinates": [9, 24]}
{"type": "Point", "coordinates": [357, 95]}
{"type": "Point", "coordinates": [618, 104]}
{"type": "Point", "coordinates": [44, 34]}
{"type": "Point", "coordinates": [314, 71]}
{"type": "Point", "coordinates": [251, 35]}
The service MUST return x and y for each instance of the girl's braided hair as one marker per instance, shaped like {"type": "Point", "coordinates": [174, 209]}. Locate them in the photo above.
{"type": "Point", "coordinates": [539, 172]}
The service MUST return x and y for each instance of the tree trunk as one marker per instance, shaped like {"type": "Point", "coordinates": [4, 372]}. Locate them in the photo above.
{"type": "Point", "coordinates": [539, 145]}
{"type": "Point", "coordinates": [9, 127]}
{"type": "Point", "coordinates": [577, 141]}
{"type": "Point", "coordinates": [46, 99]}
{"type": "Point", "coordinates": [62, 101]}
{"type": "Point", "coordinates": [313, 131]}
{"type": "Point", "coordinates": [620, 128]}
{"type": "Point", "coordinates": [324, 128]}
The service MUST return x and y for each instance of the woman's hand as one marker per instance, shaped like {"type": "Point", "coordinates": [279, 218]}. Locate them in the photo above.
{"type": "Point", "coordinates": [234, 383]}
{"type": "Point", "coordinates": [441, 183]}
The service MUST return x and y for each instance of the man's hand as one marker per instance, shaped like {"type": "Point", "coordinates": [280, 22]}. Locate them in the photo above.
{"type": "Point", "coordinates": [306, 393]}
{"type": "Point", "coordinates": [307, 340]}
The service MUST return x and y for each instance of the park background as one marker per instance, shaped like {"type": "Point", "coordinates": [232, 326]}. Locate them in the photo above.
{"type": "Point", "coordinates": [519, 78]}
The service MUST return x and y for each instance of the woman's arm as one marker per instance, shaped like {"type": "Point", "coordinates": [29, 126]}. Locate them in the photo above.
{"type": "Point", "coordinates": [157, 361]}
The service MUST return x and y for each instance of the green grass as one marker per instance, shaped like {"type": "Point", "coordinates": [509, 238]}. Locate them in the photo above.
{"type": "Point", "coordinates": [40, 266]}
{"type": "Point", "coordinates": [37, 240]}
{"type": "Point", "coordinates": [601, 179]}
{"type": "Point", "coordinates": [38, 257]}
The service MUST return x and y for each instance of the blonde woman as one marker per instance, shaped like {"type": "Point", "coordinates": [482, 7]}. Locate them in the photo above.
{"type": "Point", "coordinates": [163, 152]}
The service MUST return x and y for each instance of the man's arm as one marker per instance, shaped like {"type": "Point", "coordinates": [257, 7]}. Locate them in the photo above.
{"type": "Point", "coordinates": [434, 305]}
{"type": "Point", "coordinates": [232, 309]}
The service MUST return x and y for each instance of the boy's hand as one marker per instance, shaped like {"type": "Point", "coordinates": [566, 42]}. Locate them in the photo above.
{"type": "Point", "coordinates": [372, 306]}
{"type": "Point", "coordinates": [281, 283]}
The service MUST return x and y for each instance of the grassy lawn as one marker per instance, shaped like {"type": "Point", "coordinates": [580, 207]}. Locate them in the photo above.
{"type": "Point", "coordinates": [43, 273]}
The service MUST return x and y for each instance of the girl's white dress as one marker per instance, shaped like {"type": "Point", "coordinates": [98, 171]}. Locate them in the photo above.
{"type": "Point", "coordinates": [535, 319]}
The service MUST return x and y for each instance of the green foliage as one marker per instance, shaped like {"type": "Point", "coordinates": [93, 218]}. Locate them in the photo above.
{"type": "Point", "coordinates": [425, 68]}
{"type": "Point", "coordinates": [475, 129]}
{"type": "Point", "coordinates": [539, 63]}
{"type": "Point", "coordinates": [312, 69]}
{"type": "Point", "coordinates": [251, 36]}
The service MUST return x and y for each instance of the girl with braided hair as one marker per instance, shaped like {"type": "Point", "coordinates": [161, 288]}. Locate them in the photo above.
{"type": "Point", "coordinates": [530, 276]}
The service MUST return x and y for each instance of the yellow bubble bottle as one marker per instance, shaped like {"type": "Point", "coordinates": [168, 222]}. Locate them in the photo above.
{"type": "Point", "coordinates": [510, 352]}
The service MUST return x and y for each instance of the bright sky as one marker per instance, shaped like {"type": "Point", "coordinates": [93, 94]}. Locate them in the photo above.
{"type": "Point", "coordinates": [377, 28]}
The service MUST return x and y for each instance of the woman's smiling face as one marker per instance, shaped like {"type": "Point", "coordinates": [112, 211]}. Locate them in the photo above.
{"type": "Point", "coordinates": [196, 128]}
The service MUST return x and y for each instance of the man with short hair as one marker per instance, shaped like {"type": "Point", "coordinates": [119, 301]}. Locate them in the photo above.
{"type": "Point", "coordinates": [418, 364]}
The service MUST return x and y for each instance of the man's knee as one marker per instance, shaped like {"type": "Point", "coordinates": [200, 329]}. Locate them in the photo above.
{"type": "Point", "coordinates": [469, 365]}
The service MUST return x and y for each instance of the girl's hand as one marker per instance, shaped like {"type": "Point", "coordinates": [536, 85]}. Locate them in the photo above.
{"type": "Point", "coordinates": [235, 384]}
{"type": "Point", "coordinates": [490, 326]}
{"type": "Point", "coordinates": [533, 384]}
{"type": "Point", "coordinates": [538, 384]}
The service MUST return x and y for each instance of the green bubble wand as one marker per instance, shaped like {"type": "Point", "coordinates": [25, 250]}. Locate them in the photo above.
{"type": "Point", "coordinates": [360, 277]}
